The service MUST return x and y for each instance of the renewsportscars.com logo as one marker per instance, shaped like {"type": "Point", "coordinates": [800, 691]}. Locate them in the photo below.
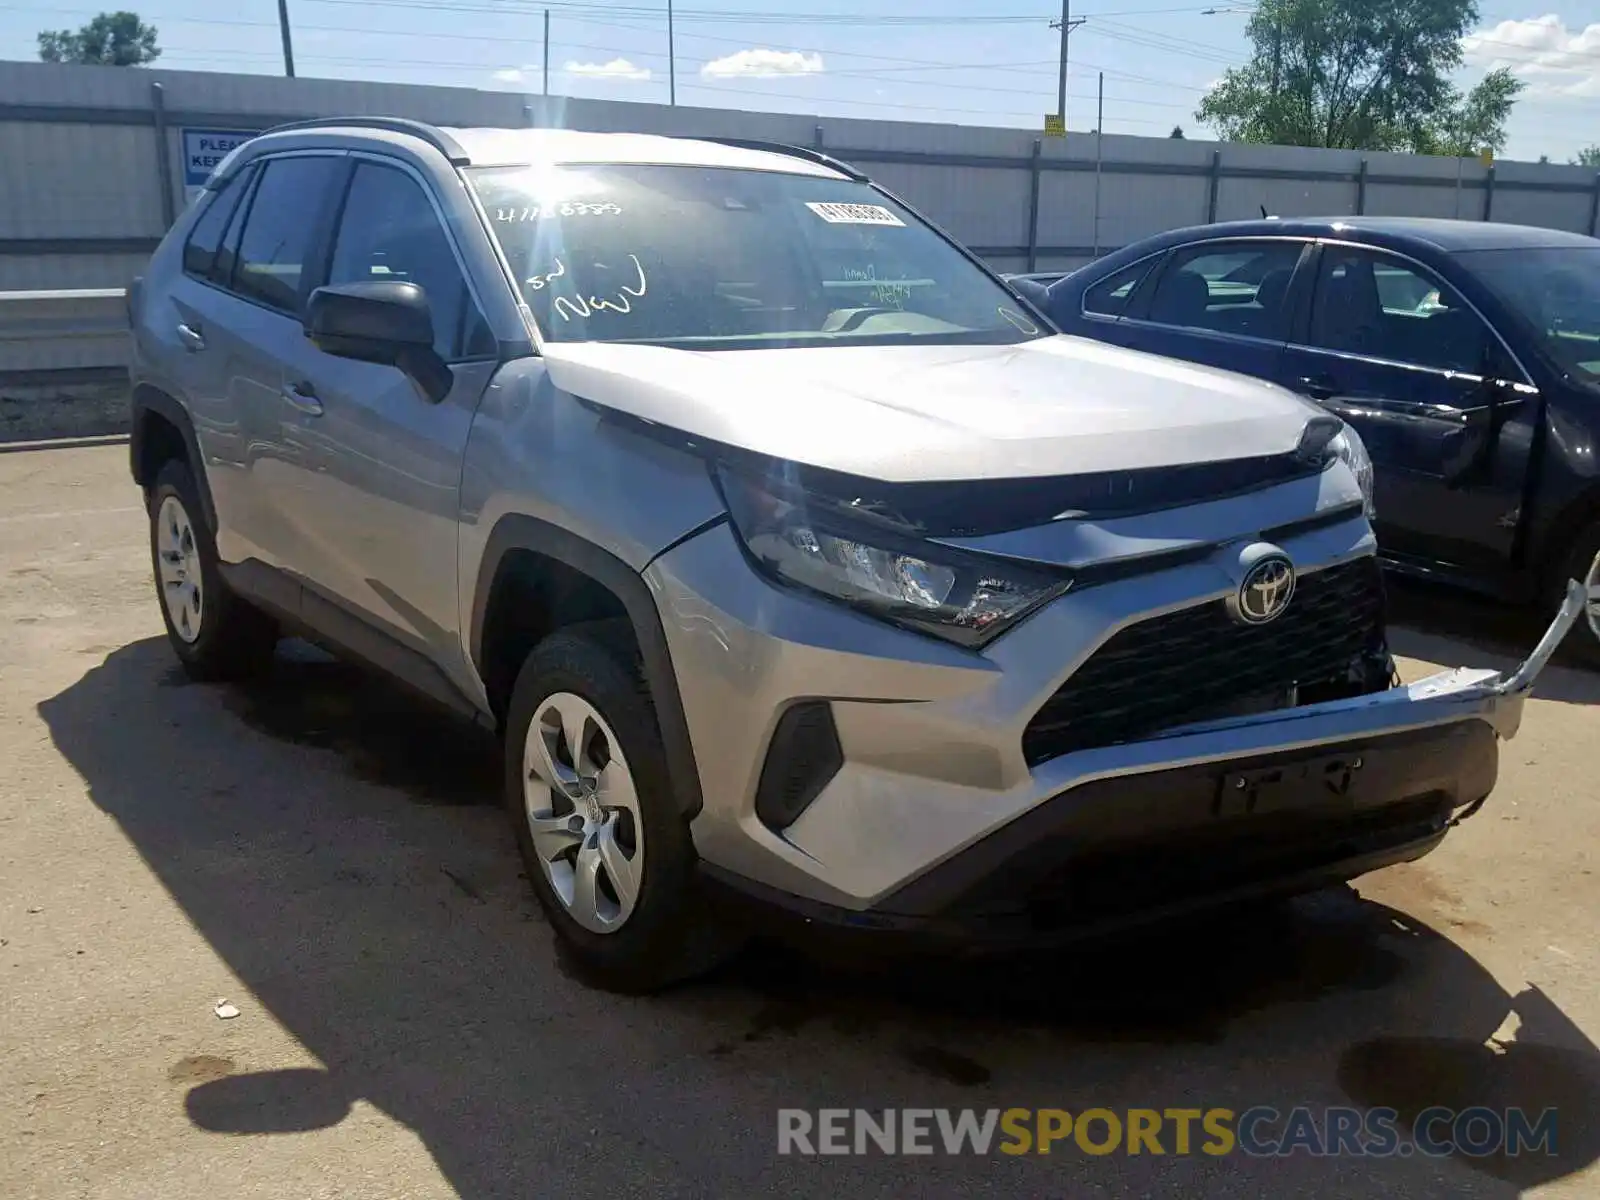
{"type": "Point", "coordinates": [1260, 1131]}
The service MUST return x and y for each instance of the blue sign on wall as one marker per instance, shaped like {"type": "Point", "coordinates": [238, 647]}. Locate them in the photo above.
{"type": "Point", "coordinates": [203, 149]}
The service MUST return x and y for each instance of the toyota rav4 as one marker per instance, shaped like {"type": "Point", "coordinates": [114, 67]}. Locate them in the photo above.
{"type": "Point", "coordinates": [791, 555]}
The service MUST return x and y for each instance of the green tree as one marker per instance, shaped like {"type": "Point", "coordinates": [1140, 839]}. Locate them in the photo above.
{"type": "Point", "coordinates": [1177, 132]}
{"type": "Point", "coordinates": [1589, 156]}
{"type": "Point", "coordinates": [1473, 122]}
{"type": "Point", "coordinates": [1360, 75]}
{"type": "Point", "coordinates": [118, 39]}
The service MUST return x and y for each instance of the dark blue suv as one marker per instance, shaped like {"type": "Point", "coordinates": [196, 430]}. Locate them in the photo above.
{"type": "Point", "coordinates": [1466, 354]}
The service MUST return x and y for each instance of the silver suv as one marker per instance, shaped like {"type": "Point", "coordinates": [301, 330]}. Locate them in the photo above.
{"type": "Point", "coordinates": [792, 555]}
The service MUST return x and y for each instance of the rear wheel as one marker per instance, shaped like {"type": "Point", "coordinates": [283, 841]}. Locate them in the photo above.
{"type": "Point", "coordinates": [214, 633]}
{"type": "Point", "coordinates": [587, 790]}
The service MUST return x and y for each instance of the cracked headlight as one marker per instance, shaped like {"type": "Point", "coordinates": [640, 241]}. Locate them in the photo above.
{"type": "Point", "coordinates": [853, 555]}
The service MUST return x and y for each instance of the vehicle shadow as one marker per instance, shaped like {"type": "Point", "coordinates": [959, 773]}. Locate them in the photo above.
{"type": "Point", "coordinates": [1456, 628]}
{"type": "Point", "coordinates": [342, 851]}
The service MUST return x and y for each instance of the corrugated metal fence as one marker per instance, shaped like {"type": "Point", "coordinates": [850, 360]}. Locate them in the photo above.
{"type": "Point", "coordinates": [92, 171]}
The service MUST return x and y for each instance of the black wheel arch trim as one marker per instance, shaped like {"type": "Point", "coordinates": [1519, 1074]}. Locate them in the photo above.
{"type": "Point", "coordinates": [148, 398]}
{"type": "Point", "coordinates": [517, 532]}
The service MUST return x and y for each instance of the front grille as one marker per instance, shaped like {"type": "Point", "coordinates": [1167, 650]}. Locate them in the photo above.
{"type": "Point", "coordinates": [1198, 664]}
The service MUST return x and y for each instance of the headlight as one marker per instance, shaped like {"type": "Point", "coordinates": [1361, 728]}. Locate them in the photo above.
{"type": "Point", "coordinates": [837, 549]}
{"type": "Point", "coordinates": [1349, 446]}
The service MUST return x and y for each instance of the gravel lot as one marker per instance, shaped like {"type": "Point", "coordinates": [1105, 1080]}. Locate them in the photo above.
{"type": "Point", "coordinates": [328, 858]}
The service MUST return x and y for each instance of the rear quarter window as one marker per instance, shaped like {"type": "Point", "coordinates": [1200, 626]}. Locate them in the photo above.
{"type": "Point", "coordinates": [205, 239]}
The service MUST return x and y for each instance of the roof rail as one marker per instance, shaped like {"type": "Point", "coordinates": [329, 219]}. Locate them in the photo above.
{"type": "Point", "coordinates": [434, 136]}
{"type": "Point", "coordinates": [816, 156]}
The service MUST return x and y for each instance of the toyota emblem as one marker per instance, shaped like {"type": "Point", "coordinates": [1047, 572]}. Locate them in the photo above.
{"type": "Point", "coordinates": [1265, 591]}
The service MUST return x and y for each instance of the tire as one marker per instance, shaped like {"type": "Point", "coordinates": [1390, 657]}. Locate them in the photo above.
{"type": "Point", "coordinates": [214, 633]}
{"type": "Point", "coordinates": [626, 937]}
{"type": "Point", "coordinates": [1583, 564]}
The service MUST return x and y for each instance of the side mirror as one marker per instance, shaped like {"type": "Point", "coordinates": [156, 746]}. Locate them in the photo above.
{"type": "Point", "coordinates": [380, 322]}
{"type": "Point", "coordinates": [1031, 290]}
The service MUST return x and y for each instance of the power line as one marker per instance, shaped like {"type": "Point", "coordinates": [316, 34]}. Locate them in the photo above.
{"type": "Point", "coordinates": [504, 9]}
{"type": "Point", "coordinates": [536, 7]}
{"type": "Point", "coordinates": [912, 62]}
{"type": "Point", "coordinates": [864, 76]}
{"type": "Point", "coordinates": [1138, 37]}
{"type": "Point", "coordinates": [706, 87]}
{"type": "Point", "coordinates": [906, 65]}
{"type": "Point", "coordinates": [876, 74]}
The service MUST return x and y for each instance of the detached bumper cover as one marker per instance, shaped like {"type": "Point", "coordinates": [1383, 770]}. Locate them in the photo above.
{"type": "Point", "coordinates": [1217, 813]}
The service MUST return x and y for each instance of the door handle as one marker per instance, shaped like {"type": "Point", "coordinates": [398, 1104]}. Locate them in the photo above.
{"type": "Point", "coordinates": [191, 339]}
{"type": "Point", "coordinates": [1318, 387]}
{"type": "Point", "coordinates": [303, 397]}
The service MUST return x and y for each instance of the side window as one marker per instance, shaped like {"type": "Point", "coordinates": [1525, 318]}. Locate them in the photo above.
{"type": "Point", "coordinates": [228, 252]}
{"type": "Point", "coordinates": [1110, 296]}
{"type": "Point", "coordinates": [390, 231]}
{"type": "Point", "coordinates": [1229, 287]}
{"type": "Point", "coordinates": [280, 230]}
{"type": "Point", "coordinates": [205, 239]}
{"type": "Point", "coordinates": [1371, 304]}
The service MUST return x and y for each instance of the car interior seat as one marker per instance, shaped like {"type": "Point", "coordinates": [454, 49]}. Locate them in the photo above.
{"type": "Point", "coordinates": [1183, 298]}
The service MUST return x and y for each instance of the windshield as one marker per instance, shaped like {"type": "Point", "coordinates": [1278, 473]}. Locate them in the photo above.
{"type": "Point", "coordinates": [712, 258]}
{"type": "Point", "coordinates": [1557, 291]}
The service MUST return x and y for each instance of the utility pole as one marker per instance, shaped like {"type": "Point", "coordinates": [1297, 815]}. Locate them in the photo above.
{"type": "Point", "coordinates": [672, 61]}
{"type": "Point", "coordinates": [547, 52]}
{"type": "Point", "coordinates": [1099, 134]}
{"type": "Point", "coordinates": [1066, 25]}
{"type": "Point", "coordinates": [288, 45]}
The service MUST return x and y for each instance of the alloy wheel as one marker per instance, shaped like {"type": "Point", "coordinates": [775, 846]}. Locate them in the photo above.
{"type": "Point", "coordinates": [179, 568]}
{"type": "Point", "coordinates": [582, 810]}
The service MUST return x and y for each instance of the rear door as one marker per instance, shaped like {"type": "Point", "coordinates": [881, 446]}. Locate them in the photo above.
{"type": "Point", "coordinates": [1442, 406]}
{"type": "Point", "coordinates": [196, 340]}
{"type": "Point", "coordinates": [1225, 303]}
{"type": "Point", "coordinates": [248, 318]}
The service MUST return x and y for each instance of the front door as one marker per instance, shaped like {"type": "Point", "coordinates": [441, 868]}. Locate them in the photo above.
{"type": "Point", "coordinates": [1445, 413]}
{"type": "Point", "coordinates": [378, 491]}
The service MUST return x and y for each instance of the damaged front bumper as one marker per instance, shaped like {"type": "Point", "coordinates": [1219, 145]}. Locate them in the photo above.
{"type": "Point", "coordinates": [1208, 815]}
{"type": "Point", "coordinates": [1493, 696]}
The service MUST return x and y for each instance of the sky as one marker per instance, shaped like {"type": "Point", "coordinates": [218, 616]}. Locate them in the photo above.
{"type": "Point", "coordinates": [955, 61]}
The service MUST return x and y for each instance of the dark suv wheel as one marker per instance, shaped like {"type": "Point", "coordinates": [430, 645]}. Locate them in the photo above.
{"type": "Point", "coordinates": [1583, 564]}
{"type": "Point", "coordinates": [587, 791]}
{"type": "Point", "coordinates": [215, 634]}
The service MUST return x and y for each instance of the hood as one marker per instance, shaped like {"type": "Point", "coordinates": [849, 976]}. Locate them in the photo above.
{"type": "Point", "coordinates": [1051, 407]}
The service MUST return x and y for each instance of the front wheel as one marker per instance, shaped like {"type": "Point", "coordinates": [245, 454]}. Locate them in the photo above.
{"type": "Point", "coordinates": [587, 790]}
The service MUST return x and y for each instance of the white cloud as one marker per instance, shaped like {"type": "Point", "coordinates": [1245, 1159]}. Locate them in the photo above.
{"type": "Point", "coordinates": [617, 68]}
{"type": "Point", "coordinates": [509, 75]}
{"type": "Point", "coordinates": [762, 64]}
{"type": "Point", "coordinates": [1555, 60]}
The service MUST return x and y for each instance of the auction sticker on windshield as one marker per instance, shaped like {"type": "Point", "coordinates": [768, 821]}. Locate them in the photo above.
{"type": "Point", "coordinates": [855, 214]}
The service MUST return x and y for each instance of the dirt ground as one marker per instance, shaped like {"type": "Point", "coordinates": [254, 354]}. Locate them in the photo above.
{"type": "Point", "coordinates": [328, 858]}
